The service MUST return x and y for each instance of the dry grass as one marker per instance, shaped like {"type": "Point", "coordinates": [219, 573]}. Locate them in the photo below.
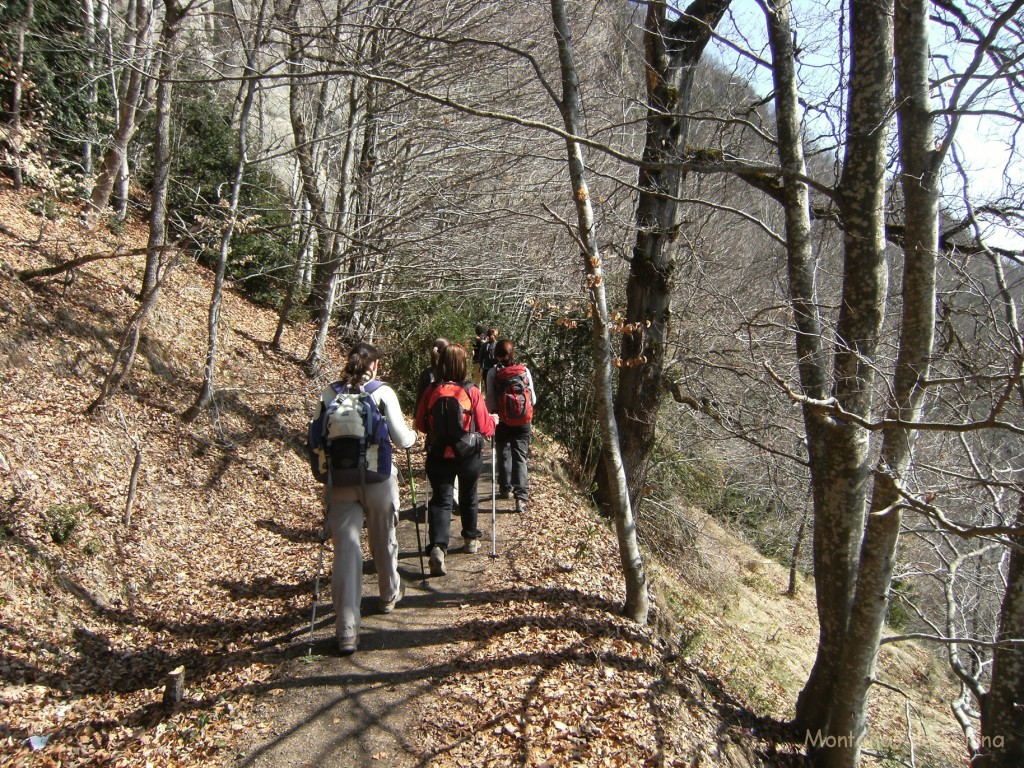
{"type": "Point", "coordinates": [731, 614]}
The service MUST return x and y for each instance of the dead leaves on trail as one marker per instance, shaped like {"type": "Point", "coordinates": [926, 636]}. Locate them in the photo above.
{"type": "Point", "coordinates": [556, 677]}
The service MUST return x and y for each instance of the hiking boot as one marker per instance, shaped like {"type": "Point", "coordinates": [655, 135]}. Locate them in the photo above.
{"type": "Point", "coordinates": [505, 493]}
{"type": "Point", "coordinates": [347, 645]}
{"type": "Point", "coordinates": [472, 546]}
{"type": "Point", "coordinates": [387, 606]}
{"type": "Point", "coordinates": [437, 562]}
{"type": "Point", "coordinates": [520, 505]}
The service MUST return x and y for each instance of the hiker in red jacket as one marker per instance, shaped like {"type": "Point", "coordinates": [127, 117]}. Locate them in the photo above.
{"type": "Point", "coordinates": [452, 414]}
{"type": "Point", "coordinates": [510, 394]}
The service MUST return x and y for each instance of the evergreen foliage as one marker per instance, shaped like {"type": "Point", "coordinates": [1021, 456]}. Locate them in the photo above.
{"type": "Point", "coordinates": [205, 158]}
{"type": "Point", "coordinates": [562, 365]}
{"type": "Point", "coordinates": [56, 91]}
{"type": "Point", "coordinates": [415, 324]}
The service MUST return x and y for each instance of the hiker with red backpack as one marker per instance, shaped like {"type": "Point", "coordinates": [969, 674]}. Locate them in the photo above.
{"type": "Point", "coordinates": [452, 414]}
{"type": "Point", "coordinates": [350, 448]}
{"type": "Point", "coordinates": [510, 394]}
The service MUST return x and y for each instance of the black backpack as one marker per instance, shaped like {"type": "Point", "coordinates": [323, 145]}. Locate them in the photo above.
{"type": "Point", "coordinates": [487, 358]}
{"type": "Point", "coordinates": [450, 425]}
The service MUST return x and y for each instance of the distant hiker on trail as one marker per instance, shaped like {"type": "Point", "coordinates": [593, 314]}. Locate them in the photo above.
{"type": "Point", "coordinates": [361, 480]}
{"type": "Point", "coordinates": [429, 375]}
{"type": "Point", "coordinates": [478, 344]}
{"type": "Point", "coordinates": [452, 414]}
{"type": "Point", "coordinates": [487, 359]}
{"type": "Point", "coordinates": [511, 395]}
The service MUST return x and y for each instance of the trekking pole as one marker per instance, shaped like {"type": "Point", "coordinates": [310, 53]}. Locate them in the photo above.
{"type": "Point", "coordinates": [494, 503]}
{"type": "Point", "coordinates": [415, 513]}
{"type": "Point", "coordinates": [316, 589]}
{"type": "Point", "coordinates": [323, 544]}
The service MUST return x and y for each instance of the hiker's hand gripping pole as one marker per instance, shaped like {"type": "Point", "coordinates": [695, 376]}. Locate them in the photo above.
{"type": "Point", "coordinates": [415, 512]}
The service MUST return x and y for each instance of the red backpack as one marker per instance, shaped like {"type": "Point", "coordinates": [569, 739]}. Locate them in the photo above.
{"type": "Point", "coordinates": [515, 401]}
{"type": "Point", "coordinates": [449, 420]}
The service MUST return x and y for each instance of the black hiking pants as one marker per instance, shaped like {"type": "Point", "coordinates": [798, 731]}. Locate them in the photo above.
{"type": "Point", "coordinates": [442, 474]}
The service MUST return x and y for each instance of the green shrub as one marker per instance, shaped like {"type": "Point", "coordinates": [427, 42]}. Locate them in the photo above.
{"type": "Point", "coordinates": [92, 547]}
{"type": "Point", "coordinates": [421, 320]}
{"type": "Point", "coordinates": [898, 616]}
{"type": "Point", "coordinates": [45, 206]}
{"type": "Point", "coordinates": [705, 483]}
{"type": "Point", "coordinates": [561, 360]}
{"type": "Point", "coordinates": [56, 94]}
{"type": "Point", "coordinates": [62, 520]}
{"type": "Point", "coordinates": [116, 226]}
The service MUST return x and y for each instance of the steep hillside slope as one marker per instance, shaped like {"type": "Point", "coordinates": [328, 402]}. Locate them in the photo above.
{"type": "Point", "coordinates": [95, 612]}
{"type": "Point", "coordinates": [214, 569]}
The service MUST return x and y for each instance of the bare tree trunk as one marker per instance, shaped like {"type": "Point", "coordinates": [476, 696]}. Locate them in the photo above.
{"type": "Point", "coordinates": [303, 233]}
{"type": "Point", "coordinates": [324, 269]}
{"type": "Point", "coordinates": [250, 81]}
{"type": "Point", "coordinates": [90, 23]}
{"type": "Point", "coordinates": [637, 600]}
{"type": "Point", "coordinates": [794, 563]}
{"type": "Point", "coordinates": [174, 14]}
{"type": "Point", "coordinates": [124, 357]}
{"type": "Point", "coordinates": [844, 486]}
{"type": "Point", "coordinates": [321, 298]}
{"type": "Point", "coordinates": [18, 96]}
{"type": "Point", "coordinates": [343, 224]}
{"type": "Point", "coordinates": [363, 209]}
{"type": "Point", "coordinates": [304, 148]}
{"type": "Point", "coordinates": [802, 268]}
{"type": "Point", "coordinates": [917, 331]}
{"type": "Point", "coordinates": [672, 51]}
{"type": "Point", "coordinates": [1002, 709]}
{"type": "Point", "coordinates": [801, 261]}
{"type": "Point", "coordinates": [115, 158]}
{"type": "Point", "coordinates": [838, 450]}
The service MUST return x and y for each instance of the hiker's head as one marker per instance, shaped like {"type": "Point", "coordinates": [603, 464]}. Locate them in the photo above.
{"type": "Point", "coordinates": [505, 353]}
{"type": "Point", "coordinates": [362, 363]}
{"type": "Point", "coordinates": [480, 330]}
{"type": "Point", "coordinates": [492, 334]}
{"type": "Point", "coordinates": [436, 348]}
{"type": "Point", "coordinates": [451, 363]}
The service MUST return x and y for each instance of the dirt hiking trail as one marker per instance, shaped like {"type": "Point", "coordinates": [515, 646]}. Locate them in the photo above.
{"type": "Point", "coordinates": [362, 710]}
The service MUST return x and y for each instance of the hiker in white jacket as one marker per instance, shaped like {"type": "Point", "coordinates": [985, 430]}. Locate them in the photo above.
{"type": "Point", "coordinates": [347, 504]}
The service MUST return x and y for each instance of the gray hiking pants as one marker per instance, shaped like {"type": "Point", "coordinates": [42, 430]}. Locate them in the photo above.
{"type": "Point", "coordinates": [346, 508]}
{"type": "Point", "coordinates": [512, 446]}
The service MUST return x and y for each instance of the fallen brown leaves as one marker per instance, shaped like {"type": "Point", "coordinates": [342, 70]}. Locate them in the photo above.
{"type": "Point", "coordinates": [215, 570]}
{"type": "Point", "coordinates": [556, 676]}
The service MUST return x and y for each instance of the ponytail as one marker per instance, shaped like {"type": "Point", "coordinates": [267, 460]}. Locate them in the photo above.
{"type": "Point", "coordinates": [360, 358]}
{"type": "Point", "coordinates": [436, 349]}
